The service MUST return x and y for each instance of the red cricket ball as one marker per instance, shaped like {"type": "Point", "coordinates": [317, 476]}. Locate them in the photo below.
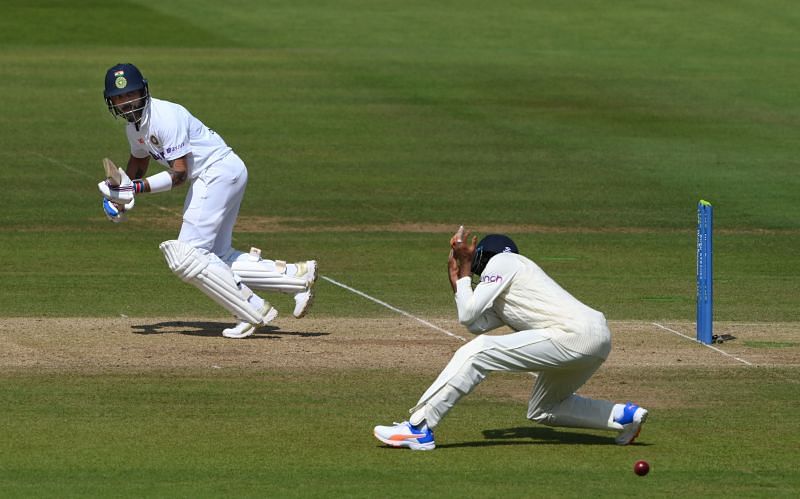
{"type": "Point", "coordinates": [641, 468]}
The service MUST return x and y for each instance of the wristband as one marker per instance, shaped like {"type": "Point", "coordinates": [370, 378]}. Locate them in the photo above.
{"type": "Point", "coordinates": [160, 182]}
{"type": "Point", "coordinates": [138, 186]}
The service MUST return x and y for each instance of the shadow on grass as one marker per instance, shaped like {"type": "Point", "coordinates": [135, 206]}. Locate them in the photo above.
{"type": "Point", "coordinates": [209, 329]}
{"type": "Point", "coordinates": [535, 435]}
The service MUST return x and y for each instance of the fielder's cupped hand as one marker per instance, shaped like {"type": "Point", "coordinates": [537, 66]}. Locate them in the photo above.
{"type": "Point", "coordinates": [461, 245]}
{"type": "Point", "coordinates": [461, 250]}
{"type": "Point", "coordinates": [121, 194]}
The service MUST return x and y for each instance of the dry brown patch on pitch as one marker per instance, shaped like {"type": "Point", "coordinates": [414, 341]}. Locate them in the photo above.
{"type": "Point", "coordinates": [134, 345]}
{"type": "Point", "coordinates": [90, 344]}
{"type": "Point", "coordinates": [141, 344]}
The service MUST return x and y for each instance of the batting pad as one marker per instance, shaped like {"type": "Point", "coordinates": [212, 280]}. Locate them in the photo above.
{"type": "Point", "coordinates": [217, 281]}
{"type": "Point", "coordinates": [264, 274]}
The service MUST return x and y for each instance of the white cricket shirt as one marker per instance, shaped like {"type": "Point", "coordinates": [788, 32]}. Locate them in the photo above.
{"type": "Point", "coordinates": [514, 291]}
{"type": "Point", "coordinates": [168, 131]}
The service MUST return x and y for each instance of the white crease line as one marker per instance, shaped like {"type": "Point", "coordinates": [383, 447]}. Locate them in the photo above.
{"type": "Point", "coordinates": [700, 342]}
{"type": "Point", "coordinates": [395, 309]}
{"type": "Point", "coordinates": [63, 165]}
{"type": "Point", "coordinates": [403, 312]}
{"type": "Point", "coordinates": [87, 175]}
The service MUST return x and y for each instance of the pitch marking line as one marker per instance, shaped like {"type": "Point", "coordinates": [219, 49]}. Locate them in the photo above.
{"type": "Point", "coordinates": [402, 312]}
{"type": "Point", "coordinates": [393, 308]}
{"type": "Point", "coordinates": [665, 328]}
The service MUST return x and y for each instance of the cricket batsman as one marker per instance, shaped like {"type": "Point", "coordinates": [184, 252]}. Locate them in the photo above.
{"type": "Point", "coordinates": [556, 336]}
{"type": "Point", "coordinates": [194, 154]}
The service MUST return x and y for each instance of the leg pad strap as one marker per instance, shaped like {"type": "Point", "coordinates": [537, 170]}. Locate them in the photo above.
{"type": "Point", "coordinates": [267, 275]}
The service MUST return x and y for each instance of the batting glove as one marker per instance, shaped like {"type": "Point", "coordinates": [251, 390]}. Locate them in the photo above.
{"type": "Point", "coordinates": [115, 212]}
{"type": "Point", "coordinates": [121, 194]}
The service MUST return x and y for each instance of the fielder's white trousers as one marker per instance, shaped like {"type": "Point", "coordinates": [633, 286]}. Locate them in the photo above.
{"type": "Point", "coordinates": [553, 401]}
{"type": "Point", "coordinates": [212, 205]}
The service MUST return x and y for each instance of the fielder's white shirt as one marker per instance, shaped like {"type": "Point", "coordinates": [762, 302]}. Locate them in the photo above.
{"type": "Point", "coordinates": [514, 291]}
{"type": "Point", "coordinates": [168, 132]}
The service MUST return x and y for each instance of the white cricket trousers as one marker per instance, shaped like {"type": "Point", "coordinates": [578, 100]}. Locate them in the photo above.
{"type": "Point", "coordinates": [212, 205]}
{"type": "Point", "coordinates": [553, 401]}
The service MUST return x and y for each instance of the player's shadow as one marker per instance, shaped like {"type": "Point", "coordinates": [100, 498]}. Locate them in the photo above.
{"type": "Point", "coordinates": [535, 435]}
{"type": "Point", "coordinates": [210, 329]}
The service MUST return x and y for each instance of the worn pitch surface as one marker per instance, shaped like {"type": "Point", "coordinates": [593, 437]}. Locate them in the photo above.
{"type": "Point", "coordinates": [141, 344]}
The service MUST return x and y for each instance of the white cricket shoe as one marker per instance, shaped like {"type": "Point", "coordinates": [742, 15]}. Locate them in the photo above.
{"type": "Point", "coordinates": [304, 299]}
{"type": "Point", "coordinates": [633, 417]}
{"type": "Point", "coordinates": [406, 435]}
{"type": "Point", "coordinates": [245, 329]}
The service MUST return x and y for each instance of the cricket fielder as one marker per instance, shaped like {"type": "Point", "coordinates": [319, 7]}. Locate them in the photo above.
{"type": "Point", "coordinates": [202, 254]}
{"type": "Point", "coordinates": [556, 336]}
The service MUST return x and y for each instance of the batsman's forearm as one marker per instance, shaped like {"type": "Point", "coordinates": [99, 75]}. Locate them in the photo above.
{"type": "Point", "coordinates": [178, 177]}
{"type": "Point", "coordinates": [160, 182]}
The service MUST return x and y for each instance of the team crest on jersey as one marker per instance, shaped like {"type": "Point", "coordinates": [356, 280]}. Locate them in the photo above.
{"type": "Point", "coordinates": [154, 140]}
{"type": "Point", "coordinates": [120, 82]}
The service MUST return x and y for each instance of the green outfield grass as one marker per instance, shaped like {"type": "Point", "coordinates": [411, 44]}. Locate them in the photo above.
{"type": "Point", "coordinates": [628, 276]}
{"type": "Point", "coordinates": [593, 127]}
{"type": "Point", "coordinates": [255, 434]}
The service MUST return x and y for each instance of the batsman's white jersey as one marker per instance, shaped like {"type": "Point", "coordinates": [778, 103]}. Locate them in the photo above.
{"type": "Point", "coordinates": [557, 336]}
{"type": "Point", "coordinates": [168, 131]}
{"type": "Point", "coordinates": [217, 176]}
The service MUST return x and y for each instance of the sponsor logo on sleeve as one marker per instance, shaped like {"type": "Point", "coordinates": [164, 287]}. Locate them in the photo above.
{"type": "Point", "coordinates": [492, 278]}
{"type": "Point", "coordinates": [174, 148]}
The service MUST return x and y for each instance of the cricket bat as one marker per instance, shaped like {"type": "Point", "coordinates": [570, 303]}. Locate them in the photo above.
{"type": "Point", "coordinates": [112, 172]}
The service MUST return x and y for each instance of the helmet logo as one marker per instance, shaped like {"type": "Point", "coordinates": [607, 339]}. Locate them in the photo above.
{"type": "Point", "coordinates": [120, 82]}
{"type": "Point", "coordinates": [507, 249]}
